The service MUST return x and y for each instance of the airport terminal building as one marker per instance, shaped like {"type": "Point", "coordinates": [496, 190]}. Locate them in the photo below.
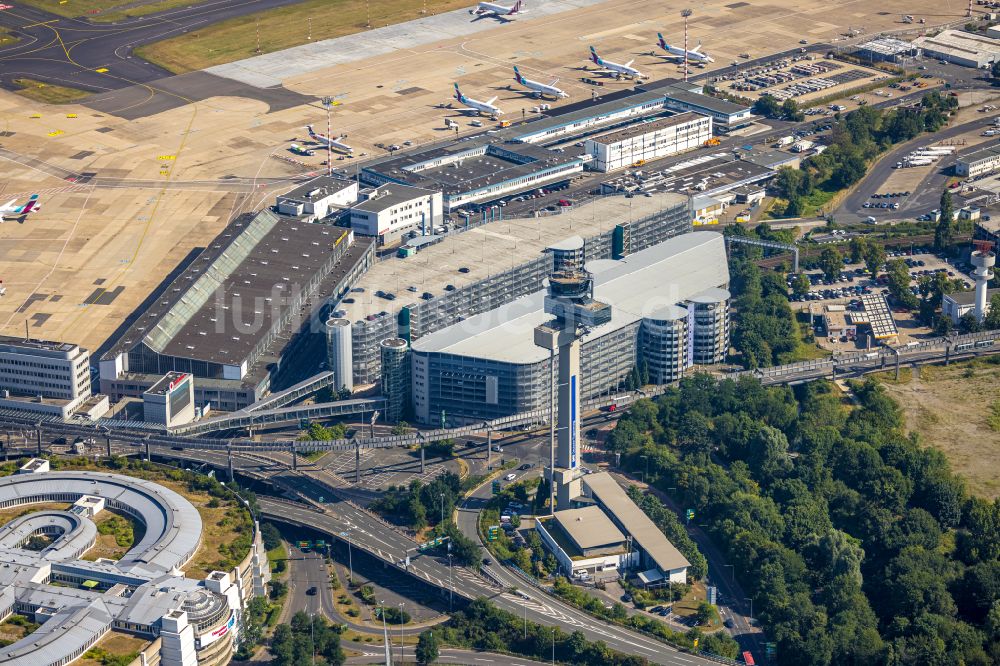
{"type": "Point", "coordinates": [488, 365]}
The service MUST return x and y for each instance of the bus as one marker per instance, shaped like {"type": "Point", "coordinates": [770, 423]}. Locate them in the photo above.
{"type": "Point", "coordinates": [748, 658]}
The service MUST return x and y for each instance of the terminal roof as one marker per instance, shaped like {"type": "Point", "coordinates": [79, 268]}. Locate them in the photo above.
{"type": "Point", "coordinates": [589, 527]}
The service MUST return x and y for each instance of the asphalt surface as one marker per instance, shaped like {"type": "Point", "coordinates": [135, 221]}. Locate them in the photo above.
{"type": "Point", "coordinates": [926, 196]}
{"type": "Point", "coordinates": [71, 52]}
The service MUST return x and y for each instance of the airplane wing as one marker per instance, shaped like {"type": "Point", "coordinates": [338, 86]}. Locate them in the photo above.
{"type": "Point", "coordinates": [9, 205]}
{"type": "Point", "coordinates": [491, 100]}
{"type": "Point", "coordinates": [554, 82]}
{"type": "Point", "coordinates": [696, 49]}
{"type": "Point", "coordinates": [629, 63]}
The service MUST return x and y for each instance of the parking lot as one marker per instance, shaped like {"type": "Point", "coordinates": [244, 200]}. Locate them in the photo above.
{"type": "Point", "coordinates": [856, 282]}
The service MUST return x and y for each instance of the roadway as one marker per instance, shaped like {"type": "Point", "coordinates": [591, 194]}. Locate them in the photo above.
{"type": "Point", "coordinates": [72, 52]}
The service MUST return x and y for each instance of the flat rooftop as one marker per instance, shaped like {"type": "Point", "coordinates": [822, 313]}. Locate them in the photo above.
{"type": "Point", "coordinates": [31, 344]}
{"type": "Point", "coordinates": [589, 527]}
{"type": "Point", "coordinates": [671, 88]}
{"type": "Point", "coordinates": [969, 297]}
{"type": "Point", "coordinates": [635, 287]}
{"type": "Point", "coordinates": [487, 250]}
{"type": "Point", "coordinates": [251, 267]}
{"type": "Point", "coordinates": [169, 381]}
{"type": "Point", "coordinates": [959, 43]}
{"type": "Point", "coordinates": [387, 196]}
{"type": "Point", "coordinates": [876, 313]}
{"type": "Point", "coordinates": [317, 189]}
{"type": "Point", "coordinates": [646, 534]}
{"type": "Point", "coordinates": [982, 153]}
{"type": "Point", "coordinates": [647, 127]}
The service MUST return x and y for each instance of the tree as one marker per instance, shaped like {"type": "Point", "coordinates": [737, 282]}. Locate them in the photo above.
{"type": "Point", "coordinates": [767, 106]}
{"type": "Point", "coordinates": [831, 263]}
{"type": "Point", "coordinates": [790, 110]}
{"type": "Point", "coordinates": [428, 647]}
{"type": "Point", "coordinates": [995, 70]}
{"type": "Point", "coordinates": [801, 284]}
{"type": "Point", "coordinates": [874, 258]}
{"type": "Point", "coordinates": [704, 613]}
{"type": "Point", "coordinates": [969, 324]}
{"type": "Point", "coordinates": [898, 282]}
{"type": "Point", "coordinates": [270, 535]}
{"type": "Point", "coordinates": [944, 234]}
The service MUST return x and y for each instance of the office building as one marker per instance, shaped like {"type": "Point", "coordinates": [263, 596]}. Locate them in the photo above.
{"type": "Point", "coordinates": [170, 401]}
{"type": "Point", "coordinates": [649, 140]}
{"type": "Point", "coordinates": [45, 377]}
{"type": "Point", "coordinates": [978, 162]}
{"type": "Point", "coordinates": [317, 198]}
{"type": "Point", "coordinates": [389, 211]}
{"type": "Point", "coordinates": [488, 365]}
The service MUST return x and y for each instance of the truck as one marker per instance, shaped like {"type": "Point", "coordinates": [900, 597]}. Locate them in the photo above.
{"type": "Point", "coordinates": [785, 141]}
{"type": "Point", "coordinates": [299, 150]}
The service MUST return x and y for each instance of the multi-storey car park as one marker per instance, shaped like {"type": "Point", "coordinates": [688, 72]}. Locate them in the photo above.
{"type": "Point", "coordinates": [489, 366]}
{"type": "Point", "coordinates": [145, 593]}
{"type": "Point", "coordinates": [483, 269]}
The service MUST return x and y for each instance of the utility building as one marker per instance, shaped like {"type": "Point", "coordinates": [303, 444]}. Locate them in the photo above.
{"type": "Point", "coordinates": [318, 198]}
{"type": "Point", "coordinates": [389, 211]}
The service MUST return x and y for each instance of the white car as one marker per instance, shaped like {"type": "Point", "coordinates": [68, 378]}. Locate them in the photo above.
{"type": "Point", "coordinates": [510, 477]}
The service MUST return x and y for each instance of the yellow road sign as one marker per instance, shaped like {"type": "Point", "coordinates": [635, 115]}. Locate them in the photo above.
{"type": "Point", "coordinates": [167, 157]}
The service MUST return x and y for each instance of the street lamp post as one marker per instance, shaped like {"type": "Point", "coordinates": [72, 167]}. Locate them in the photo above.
{"type": "Point", "coordinates": [350, 559]}
{"type": "Point", "coordinates": [553, 646]}
{"type": "Point", "coordinates": [451, 585]}
{"type": "Point", "coordinates": [312, 636]}
{"type": "Point", "coordinates": [401, 604]}
{"type": "Point", "coordinates": [732, 572]}
{"type": "Point", "coordinates": [442, 507]}
{"type": "Point", "coordinates": [751, 609]}
{"type": "Point", "coordinates": [645, 476]}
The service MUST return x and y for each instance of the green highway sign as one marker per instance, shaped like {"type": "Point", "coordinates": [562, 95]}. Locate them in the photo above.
{"type": "Point", "coordinates": [320, 543]}
{"type": "Point", "coordinates": [689, 514]}
{"type": "Point", "coordinates": [493, 533]}
{"type": "Point", "coordinates": [305, 544]}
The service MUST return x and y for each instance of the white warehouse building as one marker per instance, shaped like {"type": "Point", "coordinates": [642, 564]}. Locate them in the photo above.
{"type": "Point", "coordinates": [649, 141]}
{"type": "Point", "coordinates": [960, 48]}
{"type": "Point", "coordinates": [391, 210]}
{"type": "Point", "coordinates": [978, 162]}
{"type": "Point", "coordinates": [318, 198]}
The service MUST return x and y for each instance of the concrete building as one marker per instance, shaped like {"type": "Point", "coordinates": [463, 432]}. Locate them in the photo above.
{"type": "Point", "coordinates": [586, 543]}
{"type": "Point", "coordinates": [649, 140]}
{"type": "Point", "coordinates": [170, 401]}
{"type": "Point", "coordinates": [77, 601]}
{"type": "Point", "coordinates": [317, 198]}
{"type": "Point", "coordinates": [615, 109]}
{"type": "Point", "coordinates": [663, 342]}
{"type": "Point", "coordinates": [679, 96]}
{"type": "Point", "coordinates": [44, 377]}
{"type": "Point", "coordinates": [961, 48]}
{"type": "Point", "coordinates": [474, 169]}
{"type": "Point", "coordinates": [242, 307]}
{"type": "Point", "coordinates": [395, 377]}
{"type": "Point", "coordinates": [488, 365]}
{"type": "Point", "coordinates": [389, 211]}
{"type": "Point", "coordinates": [708, 326]}
{"type": "Point", "coordinates": [978, 162]}
{"type": "Point", "coordinates": [958, 303]}
{"type": "Point", "coordinates": [660, 560]}
{"type": "Point", "coordinates": [338, 340]}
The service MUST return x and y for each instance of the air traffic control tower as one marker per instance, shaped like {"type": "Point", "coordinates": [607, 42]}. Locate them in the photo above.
{"type": "Point", "coordinates": [570, 300]}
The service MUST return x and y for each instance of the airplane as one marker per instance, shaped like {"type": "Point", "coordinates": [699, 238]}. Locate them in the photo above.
{"type": "Point", "coordinates": [325, 141]}
{"type": "Point", "coordinates": [10, 211]}
{"type": "Point", "coordinates": [494, 10]}
{"type": "Point", "coordinates": [539, 89]}
{"type": "Point", "coordinates": [678, 51]}
{"type": "Point", "coordinates": [486, 107]}
{"type": "Point", "coordinates": [619, 70]}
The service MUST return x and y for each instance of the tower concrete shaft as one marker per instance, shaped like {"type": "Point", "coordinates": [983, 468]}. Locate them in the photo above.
{"type": "Point", "coordinates": [983, 259]}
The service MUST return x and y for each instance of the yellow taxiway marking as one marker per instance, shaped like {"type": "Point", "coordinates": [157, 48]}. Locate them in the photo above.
{"type": "Point", "coordinates": [55, 132]}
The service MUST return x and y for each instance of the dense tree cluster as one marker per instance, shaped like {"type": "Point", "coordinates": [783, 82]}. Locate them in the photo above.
{"type": "Point", "coordinates": [769, 107]}
{"type": "Point", "coordinates": [295, 644]}
{"type": "Point", "coordinates": [765, 331]}
{"type": "Point", "coordinates": [671, 526]}
{"type": "Point", "coordinates": [483, 626]}
{"type": "Point", "coordinates": [418, 504]}
{"type": "Point", "coordinates": [857, 544]}
{"type": "Point", "coordinates": [855, 140]}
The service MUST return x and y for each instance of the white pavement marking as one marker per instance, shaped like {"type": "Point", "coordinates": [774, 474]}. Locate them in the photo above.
{"type": "Point", "coordinates": [271, 69]}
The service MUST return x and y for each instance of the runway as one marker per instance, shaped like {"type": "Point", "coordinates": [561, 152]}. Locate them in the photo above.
{"type": "Point", "coordinates": [99, 58]}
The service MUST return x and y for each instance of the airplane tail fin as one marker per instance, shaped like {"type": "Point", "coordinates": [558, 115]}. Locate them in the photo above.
{"type": "Point", "coordinates": [458, 93]}
{"type": "Point", "coordinates": [596, 59]}
{"type": "Point", "coordinates": [662, 42]}
{"type": "Point", "coordinates": [309, 128]}
{"type": "Point", "coordinates": [516, 8]}
{"type": "Point", "coordinates": [517, 75]}
{"type": "Point", "coordinates": [28, 207]}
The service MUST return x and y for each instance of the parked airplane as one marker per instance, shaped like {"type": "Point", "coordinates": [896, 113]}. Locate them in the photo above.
{"type": "Point", "coordinates": [494, 10]}
{"type": "Point", "coordinates": [478, 107]}
{"type": "Point", "coordinates": [538, 89]}
{"type": "Point", "coordinates": [326, 141]}
{"type": "Point", "coordinates": [617, 69]}
{"type": "Point", "coordinates": [9, 210]}
{"type": "Point", "coordinates": [678, 51]}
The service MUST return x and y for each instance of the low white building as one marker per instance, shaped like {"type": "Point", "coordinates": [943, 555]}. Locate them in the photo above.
{"type": "Point", "coordinates": [586, 543]}
{"type": "Point", "coordinates": [391, 210]}
{"type": "Point", "coordinates": [318, 198]}
{"type": "Point", "coordinates": [961, 48]}
{"type": "Point", "coordinates": [958, 303]}
{"type": "Point", "coordinates": [648, 141]}
{"type": "Point", "coordinates": [978, 162]}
